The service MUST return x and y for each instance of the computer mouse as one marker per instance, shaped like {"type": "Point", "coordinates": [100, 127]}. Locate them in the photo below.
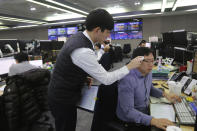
{"type": "Point", "coordinates": [173, 128]}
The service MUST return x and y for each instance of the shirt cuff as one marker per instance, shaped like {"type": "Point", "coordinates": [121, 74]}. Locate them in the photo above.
{"type": "Point", "coordinates": [125, 69]}
{"type": "Point", "coordinates": [147, 120]}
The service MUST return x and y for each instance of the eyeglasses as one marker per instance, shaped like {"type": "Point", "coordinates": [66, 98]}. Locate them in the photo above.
{"type": "Point", "coordinates": [149, 61]}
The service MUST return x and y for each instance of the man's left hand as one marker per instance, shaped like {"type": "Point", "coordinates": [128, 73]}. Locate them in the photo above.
{"type": "Point", "coordinates": [172, 97]}
{"type": "Point", "coordinates": [89, 81]}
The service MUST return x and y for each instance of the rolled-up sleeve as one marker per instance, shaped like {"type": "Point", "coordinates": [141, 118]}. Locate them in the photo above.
{"type": "Point", "coordinates": [125, 107]}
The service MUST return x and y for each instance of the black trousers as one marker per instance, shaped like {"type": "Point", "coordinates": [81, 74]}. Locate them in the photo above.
{"type": "Point", "coordinates": [65, 116]}
{"type": "Point", "coordinates": [138, 128]}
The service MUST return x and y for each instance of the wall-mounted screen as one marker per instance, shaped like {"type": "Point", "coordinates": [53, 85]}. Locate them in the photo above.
{"type": "Point", "coordinates": [112, 36]}
{"type": "Point", "coordinates": [71, 30]}
{"type": "Point", "coordinates": [52, 32]}
{"type": "Point", "coordinates": [121, 35]}
{"type": "Point", "coordinates": [135, 35]}
{"type": "Point", "coordinates": [120, 26]}
{"type": "Point", "coordinates": [135, 26]}
{"type": "Point", "coordinates": [61, 31]}
{"type": "Point", "coordinates": [52, 37]}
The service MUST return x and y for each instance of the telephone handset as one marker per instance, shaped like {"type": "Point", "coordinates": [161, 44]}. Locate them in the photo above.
{"type": "Point", "coordinates": [188, 89]}
{"type": "Point", "coordinates": [177, 76]}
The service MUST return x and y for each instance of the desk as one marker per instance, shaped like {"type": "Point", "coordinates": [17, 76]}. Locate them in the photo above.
{"type": "Point", "coordinates": [184, 128]}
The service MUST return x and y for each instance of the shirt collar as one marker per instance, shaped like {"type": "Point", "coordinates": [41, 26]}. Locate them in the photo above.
{"type": "Point", "coordinates": [86, 34]}
{"type": "Point", "coordinates": [138, 73]}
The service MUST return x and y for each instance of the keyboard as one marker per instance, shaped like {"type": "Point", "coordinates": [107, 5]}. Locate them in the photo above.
{"type": "Point", "coordinates": [184, 112]}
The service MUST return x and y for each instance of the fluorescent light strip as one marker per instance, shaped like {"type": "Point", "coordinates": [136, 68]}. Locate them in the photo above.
{"type": "Point", "coordinates": [53, 7]}
{"type": "Point", "coordinates": [192, 10]}
{"type": "Point", "coordinates": [175, 5]}
{"type": "Point", "coordinates": [64, 22]}
{"type": "Point", "coordinates": [25, 26]}
{"type": "Point", "coordinates": [163, 5]}
{"type": "Point", "coordinates": [60, 4]}
{"type": "Point", "coordinates": [136, 15]}
{"type": "Point", "coordinates": [20, 20]}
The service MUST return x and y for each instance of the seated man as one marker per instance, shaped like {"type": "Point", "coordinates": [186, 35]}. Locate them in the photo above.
{"type": "Point", "coordinates": [22, 64]}
{"type": "Point", "coordinates": [134, 91]}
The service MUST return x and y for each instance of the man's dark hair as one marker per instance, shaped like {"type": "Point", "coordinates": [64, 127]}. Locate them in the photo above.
{"type": "Point", "coordinates": [143, 41]}
{"type": "Point", "coordinates": [98, 45]}
{"type": "Point", "coordinates": [20, 57]}
{"type": "Point", "coordinates": [141, 51]}
{"type": "Point", "coordinates": [99, 18]}
{"type": "Point", "coordinates": [106, 42]}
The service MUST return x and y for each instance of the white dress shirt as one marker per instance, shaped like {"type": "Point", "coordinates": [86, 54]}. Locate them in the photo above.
{"type": "Point", "coordinates": [86, 59]}
{"type": "Point", "coordinates": [99, 53]}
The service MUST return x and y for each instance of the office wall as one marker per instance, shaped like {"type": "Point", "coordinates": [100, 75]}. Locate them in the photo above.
{"type": "Point", "coordinates": [151, 26]}
{"type": "Point", "coordinates": [25, 34]}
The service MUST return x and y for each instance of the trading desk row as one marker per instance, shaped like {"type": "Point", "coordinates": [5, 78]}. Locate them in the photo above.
{"type": "Point", "coordinates": [170, 111]}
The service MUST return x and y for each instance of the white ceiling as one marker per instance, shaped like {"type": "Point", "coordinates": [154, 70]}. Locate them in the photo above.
{"type": "Point", "coordinates": [20, 9]}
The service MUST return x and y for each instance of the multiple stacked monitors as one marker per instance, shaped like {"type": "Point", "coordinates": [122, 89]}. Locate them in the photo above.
{"type": "Point", "coordinates": [121, 31]}
{"type": "Point", "coordinates": [175, 38]}
{"type": "Point", "coordinates": [54, 34]}
{"type": "Point", "coordinates": [127, 30]}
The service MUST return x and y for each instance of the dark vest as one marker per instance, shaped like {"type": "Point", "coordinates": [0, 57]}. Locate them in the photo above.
{"type": "Point", "coordinates": [68, 79]}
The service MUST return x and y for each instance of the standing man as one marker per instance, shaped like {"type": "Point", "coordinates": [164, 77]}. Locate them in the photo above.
{"type": "Point", "coordinates": [75, 61]}
{"type": "Point", "coordinates": [134, 91]}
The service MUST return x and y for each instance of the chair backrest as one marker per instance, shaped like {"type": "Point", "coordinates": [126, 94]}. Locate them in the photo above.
{"type": "Point", "coordinates": [126, 48]}
{"type": "Point", "coordinates": [25, 98]}
{"type": "Point", "coordinates": [105, 108]}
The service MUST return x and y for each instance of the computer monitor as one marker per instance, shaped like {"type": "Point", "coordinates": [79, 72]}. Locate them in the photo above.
{"type": "Point", "coordinates": [194, 39]}
{"type": "Point", "coordinates": [71, 30]}
{"type": "Point", "coordinates": [121, 36]}
{"type": "Point", "coordinates": [120, 26]}
{"type": "Point", "coordinates": [52, 37]}
{"type": "Point", "coordinates": [37, 63]}
{"type": "Point", "coordinates": [135, 26]}
{"type": "Point", "coordinates": [52, 32]}
{"type": "Point", "coordinates": [135, 35]}
{"type": "Point", "coordinates": [148, 45]}
{"type": "Point", "coordinates": [5, 64]}
{"type": "Point", "coordinates": [180, 38]}
{"type": "Point", "coordinates": [61, 31]}
{"type": "Point", "coordinates": [167, 38]}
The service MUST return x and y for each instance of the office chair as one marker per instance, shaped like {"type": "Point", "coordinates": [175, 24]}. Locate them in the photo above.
{"type": "Point", "coordinates": [105, 118]}
{"type": "Point", "coordinates": [25, 100]}
{"type": "Point", "coordinates": [126, 49]}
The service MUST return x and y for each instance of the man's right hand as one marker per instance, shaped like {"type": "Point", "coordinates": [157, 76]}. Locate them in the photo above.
{"type": "Point", "coordinates": [161, 123]}
{"type": "Point", "coordinates": [136, 62]}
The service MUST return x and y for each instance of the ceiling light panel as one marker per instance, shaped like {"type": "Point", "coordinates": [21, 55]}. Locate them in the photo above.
{"type": "Point", "coordinates": [164, 3]}
{"type": "Point", "coordinates": [20, 20]}
{"type": "Point", "coordinates": [187, 3]}
{"type": "Point", "coordinates": [155, 5]}
{"type": "Point", "coordinates": [66, 6]}
{"type": "Point", "coordinates": [116, 9]}
{"type": "Point", "coordinates": [49, 6]}
{"type": "Point", "coordinates": [62, 16]}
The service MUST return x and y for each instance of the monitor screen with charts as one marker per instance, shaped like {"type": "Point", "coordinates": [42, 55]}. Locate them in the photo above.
{"type": "Point", "coordinates": [88, 98]}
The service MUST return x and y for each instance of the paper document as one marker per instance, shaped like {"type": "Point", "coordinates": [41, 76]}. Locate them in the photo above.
{"type": "Point", "coordinates": [88, 98]}
{"type": "Point", "coordinates": [2, 87]}
{"type": "Point", "coordinates": [162, 111]}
